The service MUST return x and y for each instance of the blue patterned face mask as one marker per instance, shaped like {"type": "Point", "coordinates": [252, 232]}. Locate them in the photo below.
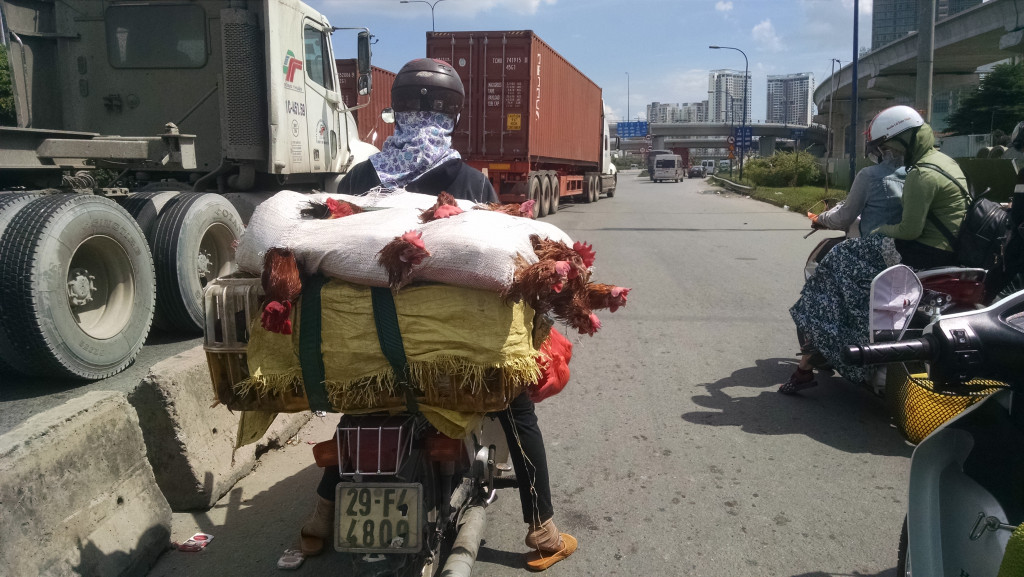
{"type": "Point", "coordinates": [422, 141]}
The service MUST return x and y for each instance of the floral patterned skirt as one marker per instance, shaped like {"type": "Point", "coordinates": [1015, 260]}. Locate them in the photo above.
{"type": "Point", "coordinates": [833, 308]}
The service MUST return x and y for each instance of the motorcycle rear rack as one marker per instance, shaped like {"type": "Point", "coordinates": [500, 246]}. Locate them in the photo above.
{"type": "Point", "coordinates": [378, 447]}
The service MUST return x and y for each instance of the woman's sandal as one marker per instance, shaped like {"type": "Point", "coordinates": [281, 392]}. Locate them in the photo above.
{"type": "Point", "coordinates": [541, 560]}
{"type": "Point", "coordinates": [798, 381]}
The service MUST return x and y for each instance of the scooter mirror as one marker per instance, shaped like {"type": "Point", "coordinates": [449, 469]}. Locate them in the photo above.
{"type": "Point", "coordinates": [895, 294]}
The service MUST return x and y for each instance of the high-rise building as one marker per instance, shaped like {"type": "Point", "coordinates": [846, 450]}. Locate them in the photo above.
{"type": "Point", "coordinates": [693, 111]}
{"type": "Point", "coordinates": [662, 112]}
{"type": "Point", "coordinates": [894, 19]}
{"type": "Point", "coordinates": [728, 95]}
{"type": "Point", "coordinates": [789, 98]}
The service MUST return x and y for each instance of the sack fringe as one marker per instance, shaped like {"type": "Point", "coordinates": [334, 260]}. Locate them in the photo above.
{"type": "Point", "coordinates": [425, 377]}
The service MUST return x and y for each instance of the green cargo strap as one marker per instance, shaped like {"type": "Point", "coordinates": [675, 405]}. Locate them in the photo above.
{"type": "Point", "coordinates": [311, 357]}
{"type": "Point", "coordinates": [385, 316]}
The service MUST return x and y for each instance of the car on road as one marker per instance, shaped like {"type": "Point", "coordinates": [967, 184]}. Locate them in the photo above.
{"type": "Point", "coordinates": [696, 171]}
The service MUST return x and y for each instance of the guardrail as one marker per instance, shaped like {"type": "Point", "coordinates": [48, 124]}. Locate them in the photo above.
{"type": "Point", "coordinates": [730, 185]}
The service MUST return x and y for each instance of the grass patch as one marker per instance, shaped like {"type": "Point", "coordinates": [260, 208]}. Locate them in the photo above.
{"type": "Point", "coordinates": [799, 198]}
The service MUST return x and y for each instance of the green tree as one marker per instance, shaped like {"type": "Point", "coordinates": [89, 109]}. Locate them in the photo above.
{"type": "Point", "coordinates": [7, 115]}
{"type": "Point", "coordinates": [996, 104]}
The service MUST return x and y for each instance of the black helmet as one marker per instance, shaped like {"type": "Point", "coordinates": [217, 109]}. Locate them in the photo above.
{"type": "Point", "coordinates": [428, 85]}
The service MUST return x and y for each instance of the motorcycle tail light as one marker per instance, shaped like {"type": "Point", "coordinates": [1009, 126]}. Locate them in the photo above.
{"type": "Point", "coordinates": [964, 288]}
{"type": "Point", "coordinates": [443, 449]}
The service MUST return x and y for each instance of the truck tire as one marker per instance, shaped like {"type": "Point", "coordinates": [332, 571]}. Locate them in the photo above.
{"type": "Point", "coordinates": [534, 188]}
{"type": "Point", "coordinates": [595, 188]}
{"type": "Point", "coordinates": [192, 245]}
{"type": "Point", "coordinates": [10, 204]}
{"type": "Point", "coordinates": [611, 191]}
{"type": "Point", "coordinates": [588, 189]}
{"type": "Point", "coordinates": [77, 287]}
{"type": "Point", "coordinates": [545, 196]}
{"type": "Point", "coordinates": [555, 193]}
{"type": "Point", "coordinates": [145, 207]}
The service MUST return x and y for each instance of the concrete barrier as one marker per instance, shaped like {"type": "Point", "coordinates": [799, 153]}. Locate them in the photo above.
{"type": "Point", "coordinates": [77, 494]}
{"type": "Point", "coordinates": [189, 441]}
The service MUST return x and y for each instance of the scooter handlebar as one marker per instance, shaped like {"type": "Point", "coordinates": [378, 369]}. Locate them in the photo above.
{"type": "Point", "coordinates": [922, 349]}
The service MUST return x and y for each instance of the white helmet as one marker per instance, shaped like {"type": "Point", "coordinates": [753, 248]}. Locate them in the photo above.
{"type": "Point", "coordinates": [892, 122]}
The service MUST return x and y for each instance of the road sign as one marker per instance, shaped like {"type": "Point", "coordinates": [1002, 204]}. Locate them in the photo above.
{"type": "Point", "coordinates": [731, 140]}
{"type": "Point", "coordinates": [631, 129]}
{"type": "Point", "coordinates": [797, 133]}
{"type": "Point", "coordinates": [744, 135]}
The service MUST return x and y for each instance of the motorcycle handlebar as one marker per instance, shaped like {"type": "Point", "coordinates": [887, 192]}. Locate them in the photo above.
{"type": "Point", "coordinates": [922, 349]}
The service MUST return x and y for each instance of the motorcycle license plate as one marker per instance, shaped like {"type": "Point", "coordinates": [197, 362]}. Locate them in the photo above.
{"type": "Point", "coordinates": [378, 517]}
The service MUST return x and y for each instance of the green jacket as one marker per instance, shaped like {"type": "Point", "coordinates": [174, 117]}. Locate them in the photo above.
{"type": "Point", "coordinates": [929, 191]}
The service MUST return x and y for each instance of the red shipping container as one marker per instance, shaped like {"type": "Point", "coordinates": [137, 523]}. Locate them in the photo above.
{"type": "Point", "coordinates": [524, 101]}
{"type": "Point", "coordinates": [367, 118]}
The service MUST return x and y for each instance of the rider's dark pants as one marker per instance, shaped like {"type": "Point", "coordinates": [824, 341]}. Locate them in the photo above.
{"type": "Point", "coordinates": [920, 256]}
{"type": "Point", "coordinates": [519, 422]}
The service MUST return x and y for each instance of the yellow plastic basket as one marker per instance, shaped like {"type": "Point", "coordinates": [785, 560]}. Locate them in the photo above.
{"type": "Point", "coordinates": [918, 408]}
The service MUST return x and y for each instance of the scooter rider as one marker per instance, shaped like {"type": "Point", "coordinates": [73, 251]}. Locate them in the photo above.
{"type": "Point", "coordinates": [427, 97]}
{"type": "Point", "coordinates": [928, 194]}
{"type": "Point", "coordinates": [874, 195]}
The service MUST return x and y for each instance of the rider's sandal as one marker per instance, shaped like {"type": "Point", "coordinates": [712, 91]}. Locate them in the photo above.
{"type": "Point", "coordinates": [800, 379]}
{"type": "Point", "coordinates": [540, 560]}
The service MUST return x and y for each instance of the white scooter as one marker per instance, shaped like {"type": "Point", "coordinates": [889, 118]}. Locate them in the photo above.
{"type": "Point", "coordinates": [967, 478]}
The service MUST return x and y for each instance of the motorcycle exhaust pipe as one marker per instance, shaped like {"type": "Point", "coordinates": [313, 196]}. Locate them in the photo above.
{"type": "Point", "coordinates": [467, 544]}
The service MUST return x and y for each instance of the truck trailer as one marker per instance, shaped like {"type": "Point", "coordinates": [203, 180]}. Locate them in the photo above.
{"type": "Point", "coordinates": [193, 112]}
{"type": "Point", "coordinates": [367, 110]}
{"type": "Point", "coordinates": [532, 122]}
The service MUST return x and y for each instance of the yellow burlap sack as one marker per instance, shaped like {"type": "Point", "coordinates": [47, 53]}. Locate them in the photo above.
{"type": "Point", "coordinates": [462, 345]}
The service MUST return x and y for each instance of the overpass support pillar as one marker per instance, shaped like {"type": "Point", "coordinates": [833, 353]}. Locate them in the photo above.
{"type": "Point", "coordinates": [658, 143]}
{"type": "Point", "coordinates": [766, 145]}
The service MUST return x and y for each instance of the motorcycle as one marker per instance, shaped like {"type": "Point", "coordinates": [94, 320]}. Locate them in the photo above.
{"type": "Point", "coordinates": [965, 495]}
{"type": "Point", "coordinates": [411, 500]}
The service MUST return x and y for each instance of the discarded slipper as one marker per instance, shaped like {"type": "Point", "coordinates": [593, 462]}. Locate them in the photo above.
{"type": "Point", "coordinates": [290, 559]}
{"type": "Point", "coordinates": [541, 560]}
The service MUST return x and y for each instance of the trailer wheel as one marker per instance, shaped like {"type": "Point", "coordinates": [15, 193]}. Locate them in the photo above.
{"type": "Point", "coordinates": [534, 193]}
{"type": "Point", "coordinates": [77, 287]}
{"type": "Point", "coordinates": [555, 193]}
{"type": "Point", "coordinates": [545, 196]}
{"type": "Point", "coordinates": [192, 245]}
{"type": "Point", "coordinates": [145, 207]}
{"type": "Point", "coordinates": [595, 187]}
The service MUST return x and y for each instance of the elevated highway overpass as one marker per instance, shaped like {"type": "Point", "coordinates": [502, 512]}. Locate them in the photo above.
{"type": "Point", "coordinates": [887, 76]}
{"type": "Point", "coordinates": [714, 135]}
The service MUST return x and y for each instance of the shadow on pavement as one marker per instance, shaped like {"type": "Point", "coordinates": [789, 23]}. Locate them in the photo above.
{"type": "Point", "coordinates": [835, 413]}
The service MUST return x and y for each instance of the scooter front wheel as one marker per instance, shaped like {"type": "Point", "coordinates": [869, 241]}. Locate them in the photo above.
{"type": "Point", "coordinates": [903, 554]}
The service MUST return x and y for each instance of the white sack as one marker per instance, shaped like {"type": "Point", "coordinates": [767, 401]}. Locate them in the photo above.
{"type": "Point", "coordinates": [474, 249]}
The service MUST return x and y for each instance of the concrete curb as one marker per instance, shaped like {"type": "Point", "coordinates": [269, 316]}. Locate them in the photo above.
{"type": "Point", "coordinates": [190, 442]}
{"type": "Point", "coordinates": [78, 496]}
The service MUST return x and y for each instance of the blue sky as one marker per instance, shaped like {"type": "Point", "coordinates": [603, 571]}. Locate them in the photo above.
{"type": "Point", "coordinates": [663, 44]}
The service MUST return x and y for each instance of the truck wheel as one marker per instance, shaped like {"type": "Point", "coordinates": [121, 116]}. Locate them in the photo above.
{"type": "Point", "coordinates": [534, 191]}
{"type": "Point", "coordinates": [597, 187]}
{"type": "Point", "coordinates": [545, 196]}
{"type": "Point", "coordinates": [77, 287]}
{"type": "Point", "coordinates": [588, 189]}
{"type": "Point", "coordinates": [145, 207]}
{"type": "Point", "coordinates": [10, 204]}
{"type": "Point", "coordinates": [192, 245]}
{"type": "Point", "coordinates": [555, 193]}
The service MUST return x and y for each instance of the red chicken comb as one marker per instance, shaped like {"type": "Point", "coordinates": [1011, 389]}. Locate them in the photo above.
{"type": "Point", "coordinates": [340, 209]}
{"type": "Point", "coordinates": [415, 238]}
{"type": "Point", "coordinates": [586, 252]}
{"type": "Point", "coordinates": [446, 210]}
{"type": "Point", "coordinates": [526, 208]}
{"type": "Point", "coordinates": [618, 299]}
{"type": "Point", "coordinates": [276, 317]}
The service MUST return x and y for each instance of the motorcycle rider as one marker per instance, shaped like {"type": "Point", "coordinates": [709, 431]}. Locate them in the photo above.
{"type": "Point", "coordinates": [427, 97]}
{"type": "Point", "coordinates": [875, 198]}
{"type": "Point", "coordinates": [928, 196]}
{"type": "Point", "coordinates": [1016, 149]}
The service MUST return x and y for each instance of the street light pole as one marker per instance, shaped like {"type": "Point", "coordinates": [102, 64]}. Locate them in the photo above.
{"type": "Point", "coordinates": [627, 96]}
{"type": "Point", "coordinates": [831, 109]}
{"type": "Point", "coordinates": [746, 88]}
{"type": "Point", "coordinates": [431, 4]}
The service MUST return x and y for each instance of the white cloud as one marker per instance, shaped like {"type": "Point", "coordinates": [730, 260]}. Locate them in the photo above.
{"type": "Point", "coordinates": [464, 9]}
{"type": "Point", "coordinates": [723, 6]}
{"type": "Point", "coordinates": [764, 34]}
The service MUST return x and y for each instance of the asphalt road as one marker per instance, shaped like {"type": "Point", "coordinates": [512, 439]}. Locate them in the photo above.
{"type": "Point", "coordinates": [670, 451]}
